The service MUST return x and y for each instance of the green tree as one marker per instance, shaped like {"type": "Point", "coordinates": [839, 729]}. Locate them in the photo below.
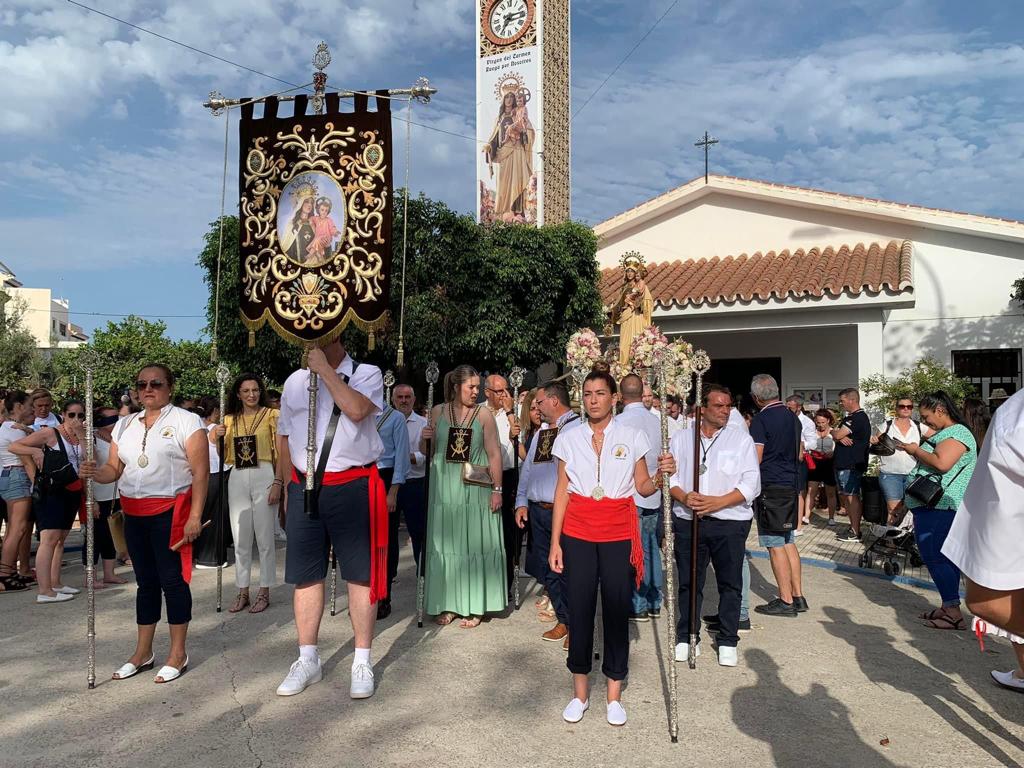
{"type": "Point", "coordinates": [125, 346]}
{"type": "Point", "coordinates": [20, 359]}
{"type": "Point", "coordinates": [493, 297]}
{"type": "Point", "coordinates": [923, 377]}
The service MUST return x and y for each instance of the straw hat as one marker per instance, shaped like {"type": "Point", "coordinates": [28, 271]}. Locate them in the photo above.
{"type": "Point", "coordinates": [998, 394]}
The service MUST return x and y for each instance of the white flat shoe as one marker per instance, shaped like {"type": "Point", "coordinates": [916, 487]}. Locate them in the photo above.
{"type": "Point", "coordinates": [1008, 680]}
{"type": "Point", "coordinates": [573, 712]}
{"type": "Point", "coordinates": [727, 656]}
{"type": "Point", "coordinates": [60, 597]}
{"type": "Point", "coordinates": [66, 590]}
{"type": "Point", "coordinates": [168, 673]}
{"type": "Point", "coordinates": [616, 714]}
{"type": "Point", "coordinates": [683, 651]}
{"type": "Point", "coordinates": [130, 670]}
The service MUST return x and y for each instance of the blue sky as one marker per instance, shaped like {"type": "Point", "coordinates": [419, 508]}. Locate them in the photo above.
{"type": "Point", "coordinates": [110, 167]}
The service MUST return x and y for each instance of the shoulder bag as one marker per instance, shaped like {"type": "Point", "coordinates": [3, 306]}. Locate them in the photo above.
{"type": "Point", "coordinates": [56, 474]}
{"type": "Point", "coordinates": [929, 488]}
{"type": "Point", "coordinates": [475, 474]}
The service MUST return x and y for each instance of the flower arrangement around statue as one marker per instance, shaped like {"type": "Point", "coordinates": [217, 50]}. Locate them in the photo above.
{"type": "Point", "coordinates": [648, 350]}
{"type": "Point", "coordinates": [583, 350]}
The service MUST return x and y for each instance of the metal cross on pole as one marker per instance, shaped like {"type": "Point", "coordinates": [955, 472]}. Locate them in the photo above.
{"type": "Point", "coordinates": [706, 142]}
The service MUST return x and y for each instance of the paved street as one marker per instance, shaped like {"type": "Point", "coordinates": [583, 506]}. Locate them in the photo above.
{"type": "Point", "coordinates": [827, 688]}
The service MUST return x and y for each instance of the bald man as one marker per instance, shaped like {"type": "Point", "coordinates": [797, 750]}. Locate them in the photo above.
{"type": "Point", "coordinates": [499, 400]}
{"type": "Point", "coordinates": [411, 501]}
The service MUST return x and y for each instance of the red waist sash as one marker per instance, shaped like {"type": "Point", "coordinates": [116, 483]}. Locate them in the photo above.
{"type": "Point", "coordinates": [378, 504]}
{"type": "Point", "coordinates": [182, 506]}
{"type": "Point", "coordinates": [606, 520]}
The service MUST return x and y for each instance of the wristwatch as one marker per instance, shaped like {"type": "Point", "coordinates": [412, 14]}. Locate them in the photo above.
{"type": "Point", "coordinates": [496, 489]}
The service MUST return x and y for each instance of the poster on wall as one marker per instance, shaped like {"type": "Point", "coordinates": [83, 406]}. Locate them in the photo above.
{"type": "Point", "coordinates": [509, 109]}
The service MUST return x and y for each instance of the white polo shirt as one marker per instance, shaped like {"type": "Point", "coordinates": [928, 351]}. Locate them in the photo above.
{"type": "Point", "coordinates": [504, 427]}
{"type": "Point", "coordinates": [415, 424]}
{"type": "Point", "coordinates": [167, 472]}
{"type": "Point", "coordinates": [10, 434]}
{"type": "Point", "coordinates": [623, 447]}
{"type": "Point", "coordinates": [636, 416]}
{"type": "Point", "coordinates": [537, 481]}
{"type": "Point", "coordinates": [808, 434]}
{"type": "Point", "coordinates": [355, 445]}
{"type": "Point", "coordinates": [103, 491]}
{"type": "Point", "coordinates": [731, 460]}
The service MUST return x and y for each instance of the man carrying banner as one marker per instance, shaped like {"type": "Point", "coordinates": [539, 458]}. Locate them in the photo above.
{"type": "Point", "coordinates": [349, 510]}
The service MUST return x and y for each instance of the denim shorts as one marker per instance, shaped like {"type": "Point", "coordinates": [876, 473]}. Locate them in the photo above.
{"type": "Point", "coordinates": [14, 484]}
{"type": "Point", "coordinates": [893, 486]}
{"type": "Point", "coordinates": [848, 481]}
{"type": "Point", "coordinates": [772, 540]}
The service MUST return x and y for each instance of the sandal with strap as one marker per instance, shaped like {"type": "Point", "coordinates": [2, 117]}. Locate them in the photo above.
{"type": "Point", "coordinates": [470, 622]}
{"type": "Point", "coordinates": [262, 601]}
{"type": "Point", "coordinates": [240, 602]}
{"type": "Point", "coordinates": [444, 619]}
{"type": "Point", "coordinates": [10, 580]}
{"type": "Point", "coordinates": [945, 622]}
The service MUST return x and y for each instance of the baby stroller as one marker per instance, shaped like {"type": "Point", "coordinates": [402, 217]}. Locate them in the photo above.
{"type": "Point", "coordinates": [893, 546]}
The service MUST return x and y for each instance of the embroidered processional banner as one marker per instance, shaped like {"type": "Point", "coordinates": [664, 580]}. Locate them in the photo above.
{"type": "Point", "coordinates": [315, 224]}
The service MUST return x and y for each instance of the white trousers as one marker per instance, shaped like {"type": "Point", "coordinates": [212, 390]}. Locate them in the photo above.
{"type": "Point", "coordinates": [252, 515]}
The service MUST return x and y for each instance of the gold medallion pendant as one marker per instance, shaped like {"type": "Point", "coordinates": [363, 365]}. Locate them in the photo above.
{"type": "Point", "coordinates": [143, 461]}
{"type": "Point", "coordinates": [598, 493]}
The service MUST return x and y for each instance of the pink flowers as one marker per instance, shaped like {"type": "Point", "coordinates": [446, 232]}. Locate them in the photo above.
{"type": "Point", "coordinates": [583, 350]}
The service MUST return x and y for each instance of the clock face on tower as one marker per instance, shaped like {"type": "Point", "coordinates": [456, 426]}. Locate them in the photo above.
{"type": "Point", "coordinates": [506, 21]}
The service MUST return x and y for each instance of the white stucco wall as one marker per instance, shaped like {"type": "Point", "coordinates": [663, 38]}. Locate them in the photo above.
{"type": "Point", "coordinates": [960, 299]}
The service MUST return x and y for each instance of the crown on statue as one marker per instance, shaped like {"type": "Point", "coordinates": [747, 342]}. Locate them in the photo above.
{"type": "Point", "coordinates": [632, 260]}
{"type": "Point", "coordinates": [511, 83]}
{"type": "Point", "coordinates": [302, 190]}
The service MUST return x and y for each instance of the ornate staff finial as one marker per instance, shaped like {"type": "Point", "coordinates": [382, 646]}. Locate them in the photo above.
{"type": "Point", "coordinates": [223, 374]}
{"type": "Point", "coordinates": [389, 382]}
{"type": "Point", "coordinates": [216, 103]}
{"type": "Point", "coordinates": [432, 372]}
{"type": "Point", "coordinates": [321, 59]}
{"type": "Point", "coordinates": [516, 376]}
{"type": "Point", "coordinates": [422, 90]}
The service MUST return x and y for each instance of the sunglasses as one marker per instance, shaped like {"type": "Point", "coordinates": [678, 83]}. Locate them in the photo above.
{"type": "Point", "coordinates": [152, 384]}
{"type": "Point", "coordinates": [75, 415]}
{"type": "Point", "coordinates": [905, 405]}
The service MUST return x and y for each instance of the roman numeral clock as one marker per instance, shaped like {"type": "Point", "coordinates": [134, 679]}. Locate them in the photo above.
{"type": "Point", "coordinates": [523, 111]}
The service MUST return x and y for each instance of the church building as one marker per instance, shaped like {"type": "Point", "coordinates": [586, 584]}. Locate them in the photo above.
{"type": "Point", "coordinates": [823, 289]}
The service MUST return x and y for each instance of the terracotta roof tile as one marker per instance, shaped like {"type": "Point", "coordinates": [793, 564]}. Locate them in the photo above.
{"type": "Point", "coordinates": [831, 271]}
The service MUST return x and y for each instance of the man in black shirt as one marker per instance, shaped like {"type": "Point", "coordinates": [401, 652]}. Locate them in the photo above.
{"type": "Point", "coordinates": [776, 434]}
{"type": "Point", "coordinates": [852, 436]}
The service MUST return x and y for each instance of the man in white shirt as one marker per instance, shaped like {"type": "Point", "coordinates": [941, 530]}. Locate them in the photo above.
{"type": "Point", "coordinates": [647, 596]}
{"type": "Point", "coordinates": [497, 393]}
{"type": "Point", "coordinates": [729, 481]}
{"type": "Point", "coordinates": [411, 501]}
{"type": "Point", "coordinates": [349, 508]}
{"type": "Point", "coordinates": [535, 498]}
{"type": "Point", "coordinates": [42, 409]}
{"type": "Point", "coordinates": [808, 437]}
{"type": "Point", "coordinates": [648, 397]}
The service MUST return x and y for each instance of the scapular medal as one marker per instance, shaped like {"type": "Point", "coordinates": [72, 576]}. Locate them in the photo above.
{"type": "Point", "coordinates": [143, 461]}
{"type": "Point", "coordinates": [459, 441]}
{"type": "Point", "coordinates": [598, 493]}
{"type": "Point", "coordinates": [703, 468]}
{"type": "Point", "coordinates": [245, 452]}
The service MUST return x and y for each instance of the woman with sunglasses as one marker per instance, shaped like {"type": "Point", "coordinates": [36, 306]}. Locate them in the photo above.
{"type": "Point", "coordinates": [895, 469]}
{"type": "Point", "coordinates": [161, 461]}
{"type": "Point", "coordinates": [58, 501]}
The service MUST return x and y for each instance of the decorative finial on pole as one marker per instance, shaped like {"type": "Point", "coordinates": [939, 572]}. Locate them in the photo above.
{"type": "Point", "coordinates": [389, 382]}
{"type": "Point", "coordinates": [321, 60]}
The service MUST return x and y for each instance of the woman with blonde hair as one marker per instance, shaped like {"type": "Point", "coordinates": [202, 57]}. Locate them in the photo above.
{"type": "Point", "coordinates": [531, 419]}
{"type": "Point", "coordinates": [465, 552]}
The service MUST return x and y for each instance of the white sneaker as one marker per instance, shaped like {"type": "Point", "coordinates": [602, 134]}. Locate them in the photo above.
{"type": "Point", "coordinates": [616, 714]}
{"type": "Point", "coordinates": [362, 682]}
{"type": "Point", "coordinates": [65, 590]}
{"type": "Point", "coordinates": [573, 712]}
{"type": "Point", "coordinates": [303, 672]}
{"type": "Point", "coordinates": [798, 532]}
{"type": "Point", "coordinates": [683, 651]}
{"type": "Point", "coordinates": [1008, 680]}
{"type": "Point", "coordinates": [727, 656]}
{"type": "Point", "coordinates": [59, 597]}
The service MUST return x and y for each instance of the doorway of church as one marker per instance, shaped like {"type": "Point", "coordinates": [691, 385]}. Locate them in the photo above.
{"type": "Point", "coordinates": [736, 373]}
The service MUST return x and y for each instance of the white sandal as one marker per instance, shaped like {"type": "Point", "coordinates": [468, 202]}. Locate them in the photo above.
{"type": "Point", "coordinates": [169, 673]}
{"type": "Point", "coordinates": [130, 670]}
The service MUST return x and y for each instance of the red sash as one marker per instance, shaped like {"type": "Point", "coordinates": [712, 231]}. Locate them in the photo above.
{"type": "Point", "coordinates": [182, 505]}
{"type": "Point", "coordinates": [606, 520]}
{"type": "Point", "coordinates": [378, 504]}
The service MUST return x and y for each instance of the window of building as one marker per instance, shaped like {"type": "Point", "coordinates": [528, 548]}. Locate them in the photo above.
{"type": "Point", "coordinates": [63, 329]}
{"type": "Point", "coordinates": [54, 325]}
{"type": "Point", "coordinates": [989, 369]}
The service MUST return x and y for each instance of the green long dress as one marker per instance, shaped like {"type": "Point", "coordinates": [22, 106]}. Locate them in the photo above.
{"type": "Point", "coordinates": [465, 569]}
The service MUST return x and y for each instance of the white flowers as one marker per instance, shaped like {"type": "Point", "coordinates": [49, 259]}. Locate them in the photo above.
{"type": "Point", "coordinates": [583, 350]}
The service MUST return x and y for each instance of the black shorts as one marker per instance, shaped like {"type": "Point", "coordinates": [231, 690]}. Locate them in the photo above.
{"type": "Point", "coordinates": [58, 510]}
{"type": "Point", "coordinates": [344, 522]}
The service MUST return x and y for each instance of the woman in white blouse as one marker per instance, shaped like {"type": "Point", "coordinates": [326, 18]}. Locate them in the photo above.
{"type": "Point", "coordinates": [160, 460]}
{"type": "Point", "coordinates": [595, 537]}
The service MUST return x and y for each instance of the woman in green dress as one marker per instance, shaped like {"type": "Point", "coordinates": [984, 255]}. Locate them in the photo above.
{"type": "Point", "coordinates": [465, 553]}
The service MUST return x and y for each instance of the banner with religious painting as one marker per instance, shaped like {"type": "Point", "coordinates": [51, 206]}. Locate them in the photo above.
{"type": "Point", "coordinates": [315, 214]}
{"type": "Point", "coordinates": [510, 111]}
